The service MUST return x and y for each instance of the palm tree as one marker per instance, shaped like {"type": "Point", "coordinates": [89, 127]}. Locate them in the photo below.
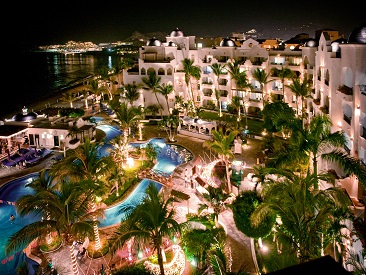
{"type": "Point", "coordinates": [124, 64]}
{"type": "Point", "coordinates": [69, 97]}
{"type": "Point", "coordinates": [221, 144]}
{"type": "Point", "coordinates": [215, 199]}
{"type": "Point", "coordinates": [132, 93]}
{"type": "Point", "coordinates": [165, 90]}
{"type": "Point", "coordinates": [125, 115]}
{"type": "Point", "coordinates": [63, 210]}
{"type": "Point", "coordinates": [95, 89]}
{"type": "Point", "coordinates": [105, 75]}
{"type": "Point", "coordinates": [235, 102]}
{"type": "Point", "coordinates": [85, 163]}
{"type": "Point", "coordinates": [263, 78]}
{"type": "Point", "coordinates": [282, 74]}
{"type": "Point", "coordinates": [152, 82]}
{"type": "Point", "coordinates": [315, 139]}
{"type": "Point", "coordinates": [218, 69]}
{"type": "Point", "coordinates": [234, 69]}
{"type": "Point", "coordinates": [304, 211]}
{"type": "Point", "coordinates": [302, 91]}
{"type": "Point", "coordinates": [85, 95]}
{"type": "Point", "coordinates": [170, 124]}
{"type": "Point", "coordinates": [148, 223]}
{"type": "Point", "coordinates": [190, 71]}
{"type": "Point", "coordinates": [119, 151]}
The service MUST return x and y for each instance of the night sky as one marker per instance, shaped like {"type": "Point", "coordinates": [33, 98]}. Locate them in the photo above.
{"type": "Point", "coordinates": [34, 23]}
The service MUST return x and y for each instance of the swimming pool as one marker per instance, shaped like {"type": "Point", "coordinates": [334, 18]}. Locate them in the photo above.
{"type": "Point", "coordinates": [169, 157]}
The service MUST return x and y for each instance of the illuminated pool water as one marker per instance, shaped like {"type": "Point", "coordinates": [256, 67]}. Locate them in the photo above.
{"type": "Point", "coordinates": [169, 157]}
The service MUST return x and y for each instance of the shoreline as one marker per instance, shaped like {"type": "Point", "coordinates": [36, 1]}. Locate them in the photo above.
{"type": "Point", "coordinates": [51, 100]}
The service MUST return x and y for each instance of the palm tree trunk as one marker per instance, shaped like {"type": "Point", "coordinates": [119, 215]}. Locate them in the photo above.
{"type": "Point", "coordinates": [160, 260]}
{"type": "Point", "coordinates": [228, 176]}
{"type": "Point", "coordinates": [75, 268]}
{"type": "Point", "coordinates": [96, 229]}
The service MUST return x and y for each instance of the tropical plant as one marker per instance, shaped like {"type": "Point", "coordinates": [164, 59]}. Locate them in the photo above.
{"type": "Point", "coordinates": [170, 124]}
{"type": "Point", "coordinates": [263, 78]}
{"type": "Point", "coordinates": [166, 90]}
{"type": "Point", "coordinates": [131, 93]}
{"type": "Point", "coordinates": [65, 211]}
{"type": "Point", "coordinates": [85, 163]}
{"type": "Point", "coordinates": [198, 234]}
{"type": "Point", "coordinates": [303, 211]}
{"type": "Point", "coordinates": [216, 199]}
{"type": "Point", "coordinates": [218, 69]}
{"type": "Point", "coordinates": [125, 115]}
{"type": "Point", "coordinates": [69, 97]}
{"type": "Point", "coordinates": [148, 222]}
{"type": "Point", "coordinates": [221, 144]}
{"type": "Point", "coordinates": [190, 71]}
{"type": "Point", "coordinates": [243, 206]}
{"type": "Point", "coordinates": [153, 82]}
{"type": "Point", "coordinates": [152, 110]}
{"type": "Point", "coordinates": [301, 89]}
{"type": "Point", "coordinates": [283, 73]}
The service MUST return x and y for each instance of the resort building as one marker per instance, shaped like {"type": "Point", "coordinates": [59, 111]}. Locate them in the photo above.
{"type": "Point", "coordinates": [335, 67]}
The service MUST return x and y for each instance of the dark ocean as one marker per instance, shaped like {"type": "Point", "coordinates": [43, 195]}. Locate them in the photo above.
{"type": "Point", "coordinates": [36, 76]}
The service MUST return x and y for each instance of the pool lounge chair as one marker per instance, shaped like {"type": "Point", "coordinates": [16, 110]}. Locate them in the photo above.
{"type": "Point", "coordinates": [8, 163]}
{"type": "Point", "coordinates": [32, 159]}
{"type": "Point", "coordinates": [43, 152]}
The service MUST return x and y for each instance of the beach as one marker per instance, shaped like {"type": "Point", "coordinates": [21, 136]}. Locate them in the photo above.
{"type": "Point", "coordinates": [54, 100]}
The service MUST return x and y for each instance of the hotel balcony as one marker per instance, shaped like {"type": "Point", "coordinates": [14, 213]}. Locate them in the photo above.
{"type": "Point", "coordinates": [346, 93]}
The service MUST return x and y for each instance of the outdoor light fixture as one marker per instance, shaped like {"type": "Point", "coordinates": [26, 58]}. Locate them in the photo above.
{"type": "Point", "coordinates": [358, 111]}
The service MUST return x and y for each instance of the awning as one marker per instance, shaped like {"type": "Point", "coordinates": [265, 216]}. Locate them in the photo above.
{"type": "Point", "coordinates": [180, 195]}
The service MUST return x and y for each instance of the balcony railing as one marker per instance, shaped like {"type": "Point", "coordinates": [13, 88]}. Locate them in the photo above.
{"type": "Point", "coordinates": [316, 101]}
{"type": "Point", "coordinates": [324, 109]}
{"type": "Point", "coordinates": [347, 119]}
{"type": "Point", "coordinates": [344, 89]}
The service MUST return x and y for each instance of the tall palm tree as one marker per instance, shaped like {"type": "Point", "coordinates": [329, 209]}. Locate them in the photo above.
{"type": "Point", "coordinates": [120, 150]}
{"type": "Point", "coordinates": [235, 102]}
{"type": "Point", "coordinates": [301, 89]}
{"type": "Point", "coordinates": [152, 82]}
{"type": "Point", "coordinates": [85, 93]}
{"type": "Point", "coordinates": [148, 223]}
{"type": "Point", "coordinates": [69, 97]}
{"type": "Point", "coordinates": [132, 93]}
{"type": "Point", "coordinates": [63, 210]}
{"type": "Point", "coordinates": [170, 124]}
{"type": "Point", "coordinates": [105, 75]}
{"type": "Point", "coordinates": [315, 139]}
{"type": "Point", "coordinates": [166, 90]}
{"type": "Point", "coordinates": [85, 163]}
{"type": "Point", "coordinates": [125, 115]}
{"type": "Point", "coordinates": [218, 69]}
{"type": "Point", "coordinates": [304, 211]}
{"type": "Point", "coordinates": [263, 78]}
{"type": "Point", "coordinates": [124, 64]}
{"type": "Point", "coordinates": [221, 144]}
{"type": "Point", "coordinates": [190, 71]}
{"type": "Point", "coordinates": [283, 73]}
{"type": "Point", "coordinates": [215, 199]}
{"type": "Point", "coordinates": [95, 89]}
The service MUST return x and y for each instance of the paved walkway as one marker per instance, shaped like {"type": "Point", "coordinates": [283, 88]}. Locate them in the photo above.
{"type": "Point", "coordinates": [238, 242]}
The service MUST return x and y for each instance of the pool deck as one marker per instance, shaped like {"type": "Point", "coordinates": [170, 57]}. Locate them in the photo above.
{"type": "Point", "coordinates": [239, 243]}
